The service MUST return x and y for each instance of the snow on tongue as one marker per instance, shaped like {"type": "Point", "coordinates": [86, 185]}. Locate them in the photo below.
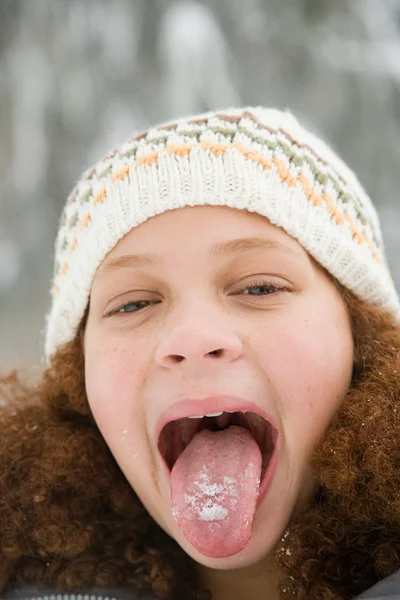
{"type": "Point", "coordinates": [214, 489]}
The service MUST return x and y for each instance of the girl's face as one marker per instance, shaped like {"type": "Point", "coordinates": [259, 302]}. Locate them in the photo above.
{"type": "Point", "coordinates": [227, 280]}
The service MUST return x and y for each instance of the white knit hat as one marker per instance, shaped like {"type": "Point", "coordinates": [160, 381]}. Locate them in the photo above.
{"type": "Point", "coordinates": [256, 159]}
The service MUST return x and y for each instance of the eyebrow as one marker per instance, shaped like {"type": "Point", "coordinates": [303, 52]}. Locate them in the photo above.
{"type": "Point", "coordinates": [217, 250]}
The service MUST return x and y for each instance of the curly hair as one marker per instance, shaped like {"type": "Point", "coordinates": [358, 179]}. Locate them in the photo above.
{"type": "Point", "coordinates": [69, 518]}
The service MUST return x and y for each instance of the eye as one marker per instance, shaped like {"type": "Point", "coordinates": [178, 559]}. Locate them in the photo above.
{"type": "Point", "coordinates": [130, 307]}
{"type": "Point", "coordinates": [267, 288]}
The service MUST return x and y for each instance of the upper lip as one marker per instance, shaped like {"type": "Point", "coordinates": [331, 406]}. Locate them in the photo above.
{"type": "Point", "coordinates": [193, 407]}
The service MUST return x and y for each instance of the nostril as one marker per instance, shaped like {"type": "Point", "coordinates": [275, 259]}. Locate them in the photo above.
{"type": "Point", "coordinates": [177, 357]}
{"type": "Point", "coordinates": [216, 352]}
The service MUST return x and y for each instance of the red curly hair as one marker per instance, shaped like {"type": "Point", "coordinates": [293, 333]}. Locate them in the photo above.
{"type": "Point", "coordinates": [70, 519]}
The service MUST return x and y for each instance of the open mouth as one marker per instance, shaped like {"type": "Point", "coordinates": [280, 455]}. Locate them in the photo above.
{"type": "Point", "coordinates": [176, 435]}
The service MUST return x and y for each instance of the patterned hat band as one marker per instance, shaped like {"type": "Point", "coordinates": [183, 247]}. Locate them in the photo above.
{"type": "Point", "coordinates": [255, 159]}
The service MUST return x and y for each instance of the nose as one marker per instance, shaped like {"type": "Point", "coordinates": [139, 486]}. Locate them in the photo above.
{"type": "Point", "coordinates": [194, 343]}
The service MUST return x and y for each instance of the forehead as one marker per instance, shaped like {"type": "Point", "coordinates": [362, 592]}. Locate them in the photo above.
{"type": "Point", "coordinates": [212, 229]}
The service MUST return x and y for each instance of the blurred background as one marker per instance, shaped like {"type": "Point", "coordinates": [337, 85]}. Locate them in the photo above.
{"type": "Point", "coordinates": [78, 77]}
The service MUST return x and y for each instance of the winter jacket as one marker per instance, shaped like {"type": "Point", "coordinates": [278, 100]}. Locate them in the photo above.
{"type": "Point", "coordinates": [387, 589]}
{"type": "Point", "coordinates": [32, 592]}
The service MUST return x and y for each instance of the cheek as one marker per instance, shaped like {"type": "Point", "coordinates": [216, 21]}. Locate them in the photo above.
{"type": "Point", "coordinates": [309, 366]}
{"type": "Point", "coordinates": [112, 376]}
{"type": "Point", "coordinates": [114, 388]}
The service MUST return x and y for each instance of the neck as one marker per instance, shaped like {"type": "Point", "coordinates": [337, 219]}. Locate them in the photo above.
{"type": "Point", "coordinates": [258, 582]}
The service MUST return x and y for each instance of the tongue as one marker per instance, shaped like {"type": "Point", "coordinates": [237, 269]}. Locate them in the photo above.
{"type": "Point", "coordinates": [214, 489]}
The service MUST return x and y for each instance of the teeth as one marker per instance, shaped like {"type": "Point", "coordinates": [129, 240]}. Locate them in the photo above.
{"type": "Point", "coordinates": [218, 414]}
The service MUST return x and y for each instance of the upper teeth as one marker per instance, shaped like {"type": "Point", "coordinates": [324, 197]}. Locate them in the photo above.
{"type": "Point", "coordinates": [216, 414]}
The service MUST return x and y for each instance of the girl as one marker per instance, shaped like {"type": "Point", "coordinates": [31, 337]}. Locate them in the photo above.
{"type": "Point", "coordinates": [219, 416]}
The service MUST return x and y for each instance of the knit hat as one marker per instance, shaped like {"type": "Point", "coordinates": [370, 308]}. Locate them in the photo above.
{"type": "Point", "coordinates": [256, 159]}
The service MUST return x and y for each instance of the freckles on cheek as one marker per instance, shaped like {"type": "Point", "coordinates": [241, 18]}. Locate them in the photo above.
{"type": "Point", "coordinates": [114, 360]}
{"type": "Point", "coordinates": [110, 380]}
{"type": "Point", "coordinates": [306, 365]}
